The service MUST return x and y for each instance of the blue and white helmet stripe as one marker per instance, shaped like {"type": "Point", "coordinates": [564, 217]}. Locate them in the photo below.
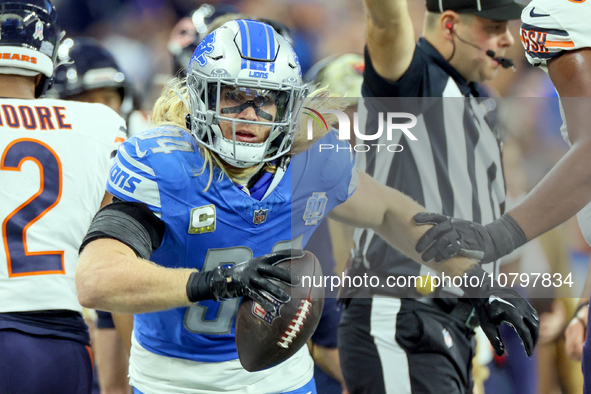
{"type": "Point", "coordinates": [257, 40]}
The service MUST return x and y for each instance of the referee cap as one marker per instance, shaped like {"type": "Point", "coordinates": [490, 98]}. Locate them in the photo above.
{"type": "Point", "coordinates": [500, 10]}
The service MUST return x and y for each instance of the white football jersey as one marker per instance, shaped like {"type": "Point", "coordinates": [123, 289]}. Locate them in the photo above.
{"type": "Point", "coordinates": [55, 157]}
{"type": "Point", "coordinates": [549, 27]}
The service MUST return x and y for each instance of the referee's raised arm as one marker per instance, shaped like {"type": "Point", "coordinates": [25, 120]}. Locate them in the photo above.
{"type": "Point", "coordinates": [390, 37]}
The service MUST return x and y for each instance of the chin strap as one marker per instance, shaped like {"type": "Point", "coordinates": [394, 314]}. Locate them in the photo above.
{"type": "Point", "coordinates": [182, 98]}
{"type": "Point", "coordinates": [279, 173]}
{"type": "Point", "coordinates": [239, 108]}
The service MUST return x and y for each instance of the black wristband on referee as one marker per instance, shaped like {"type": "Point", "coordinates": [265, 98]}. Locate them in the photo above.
{"type": "Point", "coordinates": [198, 287]}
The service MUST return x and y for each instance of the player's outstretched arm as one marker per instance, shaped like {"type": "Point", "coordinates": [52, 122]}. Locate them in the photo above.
{"type": "Point", "coordinates": [563, 192]}
{"type": "Point", "coordinates": [566, 189]}
{"type": "Point", "coordinates": [111, 277]}
{"type": "Point", "coordinates": [390, 37]}
{"type": "Point", "coordinates": [115, 275]}
{"type": "Point", "coordinates": [390, 214]}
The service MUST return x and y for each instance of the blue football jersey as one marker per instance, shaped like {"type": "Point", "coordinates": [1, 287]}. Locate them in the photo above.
{"type": "Point", "coordinates": [221, 225]}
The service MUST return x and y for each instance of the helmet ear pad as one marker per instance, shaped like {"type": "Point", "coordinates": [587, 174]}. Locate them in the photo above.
{"type": "Point", "coordinates": [43, 86]}
{"type": "Point", "coordinates": [197, 120]}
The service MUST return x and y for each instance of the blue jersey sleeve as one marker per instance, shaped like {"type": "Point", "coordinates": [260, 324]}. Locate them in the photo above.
{"type": "Point", "coordinates": [132, 177]}
{"type": "Point", "coordinates": [322, 177]}
{"type": "Point", "coordinates": [332, 165]}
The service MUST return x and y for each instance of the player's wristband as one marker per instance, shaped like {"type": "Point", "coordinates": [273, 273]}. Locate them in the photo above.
{"type": "Point", "coordinates": [507, 235]}
{"type": "Point", "coordinates": [198, 287]}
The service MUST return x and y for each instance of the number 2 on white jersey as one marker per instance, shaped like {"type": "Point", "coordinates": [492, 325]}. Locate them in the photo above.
{"type": "Point", "coordinates": [20, 261]}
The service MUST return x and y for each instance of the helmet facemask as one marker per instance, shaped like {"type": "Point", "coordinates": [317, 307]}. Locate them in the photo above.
{"type": "Point", "coordinates": [218, 95]}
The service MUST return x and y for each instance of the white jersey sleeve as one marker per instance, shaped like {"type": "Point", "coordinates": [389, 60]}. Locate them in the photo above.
{"type": "Point", "coordinates": [550, 27]}
{"type": "Point", "coordinates": [54, 163]}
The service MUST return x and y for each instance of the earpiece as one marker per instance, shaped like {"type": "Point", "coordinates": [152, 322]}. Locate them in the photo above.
{"type": "Point", "coordinates": [503, 61]}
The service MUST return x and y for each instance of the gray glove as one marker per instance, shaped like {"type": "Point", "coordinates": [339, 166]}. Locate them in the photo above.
{"type": "Point", "coordinates": [450, 237]}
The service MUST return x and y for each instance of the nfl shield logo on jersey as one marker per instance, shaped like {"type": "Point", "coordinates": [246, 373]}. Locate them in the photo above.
{"type": "Point", "coordinates": [260, 215]}
{"type": "Point", "coordinates": [447, 338]}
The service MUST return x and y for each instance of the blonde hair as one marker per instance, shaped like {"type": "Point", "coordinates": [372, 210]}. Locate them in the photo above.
{"type": "Point", "coordinates": [170, 110]}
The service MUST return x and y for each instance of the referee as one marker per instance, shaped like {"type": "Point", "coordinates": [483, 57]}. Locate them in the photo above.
{"type": "Point", "coordinates": [407, 340]}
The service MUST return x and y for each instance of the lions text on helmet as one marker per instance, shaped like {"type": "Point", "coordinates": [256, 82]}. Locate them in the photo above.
{"type": "Point", "coordinates": [396, 124]}
{"type": "Point", "coordinates": [244, 98]}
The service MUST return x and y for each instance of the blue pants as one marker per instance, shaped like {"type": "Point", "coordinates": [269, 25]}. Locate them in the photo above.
{"type": "Point", "coordinates": [31, 364]}
{"type": "Point", "coordinates": [519, 375]}
{"type": "Point", "coordinates": [308, 388]}
{"type": "Point", "coordinates": [587, 360]}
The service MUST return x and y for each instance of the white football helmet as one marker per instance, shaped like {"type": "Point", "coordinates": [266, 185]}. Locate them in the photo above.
{"type": "Point", "coordinates": [255, 66]}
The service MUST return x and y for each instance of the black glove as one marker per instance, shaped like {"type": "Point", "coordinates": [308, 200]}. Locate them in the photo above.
{"type": "Point", "coordinates": [252, 278]}
{"type": "Point", "coordinates": [450, 237]}
{"type": "Point", "coordinates": [495, 304]}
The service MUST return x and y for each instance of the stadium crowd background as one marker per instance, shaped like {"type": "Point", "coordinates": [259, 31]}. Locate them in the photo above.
{"type": "Point", "coordinates": [137, 33]}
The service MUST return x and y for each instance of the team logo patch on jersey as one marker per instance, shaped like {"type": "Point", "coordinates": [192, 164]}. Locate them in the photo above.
{"type": "Point", "coordinates": [202, 220]}
{"type": "Point", "coordinates": [315, 207]}
{"type": "Point", "coordinates": [260, 215]}
{"type": "Point", "coordinates": [265, 316]}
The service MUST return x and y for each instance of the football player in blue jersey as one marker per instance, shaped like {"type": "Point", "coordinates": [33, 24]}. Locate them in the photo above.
{"type": "Point", "coordinates": [207, 202]}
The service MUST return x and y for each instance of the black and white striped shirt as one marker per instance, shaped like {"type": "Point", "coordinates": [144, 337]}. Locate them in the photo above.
{"type": "Point", "coordinates": [454, 167]}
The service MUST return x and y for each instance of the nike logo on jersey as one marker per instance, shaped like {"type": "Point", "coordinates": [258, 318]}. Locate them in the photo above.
{"type": "Point", "coordinates": [139, 152]}
{"type": "Point", "coordinates": [495, 298]}
{"type": "Point", "coordinates": [534, 15]}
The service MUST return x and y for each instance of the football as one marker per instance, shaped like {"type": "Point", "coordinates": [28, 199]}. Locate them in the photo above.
{"type": "Point", "coordinates": [265, 339]}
